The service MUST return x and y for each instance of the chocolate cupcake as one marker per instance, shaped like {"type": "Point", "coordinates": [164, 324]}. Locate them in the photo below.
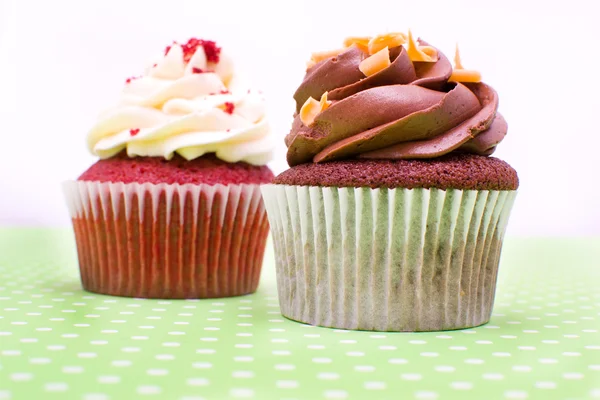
{"type": "Point", "coordinates": [392, 215]}
{"type": "Point", "coordinates": [173, 209]}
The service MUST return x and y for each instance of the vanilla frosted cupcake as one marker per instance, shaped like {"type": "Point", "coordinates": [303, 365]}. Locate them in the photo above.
{"type": "Point", "coordinates": [173, 209]}
{"type": "Point", "coordinates": [392, 214]}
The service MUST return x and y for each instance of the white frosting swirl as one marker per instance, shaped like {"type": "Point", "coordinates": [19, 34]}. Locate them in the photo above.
{"type": "Point", "coordinates": [171, 109]}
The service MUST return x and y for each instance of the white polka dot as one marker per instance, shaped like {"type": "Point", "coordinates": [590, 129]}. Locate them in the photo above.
{"type": "Point", "coordinates": [157, 372]}
{"type": "Point", "coordinates": [550, 341]}
{"type": "Point", "coordinates": [417, 342]}
{"type": "Point", "coordinates": [388, 348]}
{"type": "Point", "coordinates": [375, 385]}
{"type": "Point", "coordinates": [206, 351]}
{"type": "Point", "coordinates": [545, 385]}
{"type": "Point", "coordinates": [130, 349]}
{"type": "Point", "coordinates": [573, 375]}
{"type": "Point", "coordinates": [72, 369]}
{"type": "Point", "coordinates": [355, 354]}
{"type": "Point", "coordinates": [241, 393]}
{"type": "Point", "coordinates": [411, 377]}
{"type": "Point", "coordinates": [95, 396]}
{"type": "Point", "coordinates": [21, 376]}
{"type": "Point", "coordinates": [285, 367]}
{"type": "Point", "coordinates": [526, 348]}
{"type": "Point", "coordinates": [281, 352]}
{"type": "Point", "coordinates": [171, 344]}
{"type": "Point", "coordinates": [286, 384]}
{"type": "Point", "coordinates": [198, 382]}
{"type": "Point", "coordinates": [40, 360]}
{"type": "Point", "coordinates": [571, 354]}
{"type": "Point", "coordinates": [242, 374]}
{"type": "Point", "coordinates": [548, 361]}
{"type": "Point", "coordinates": [121, 363]}
{"type": "Point", "coordinates": [444, 368]}
{"type": "Point", "coordinates": [397, 361]}
{"type": "Point", "coordinates": [594, 367]}
{"type": "Point", "coordinates": [493, 377]}
{"type": "Point", "coordinates": [457, 348]}
{"type": "Point", "coordinates": [56, 347]}
{"type": "Point", "coordinates": [56, 387]}
{"type": "Point", "coordinates": [202, 365]}
{"type": "Point", "coordinates": [444, 337]}
{"type": "Point", "coordinates": [426, 395]}
{"type": "Point", "coordinates": [5, 395]}
{"type": "Point", "coordinates": [501, 354]}
{"type": "Point", "coordinates": [515, 394]}
{"type": "Point", "coordinates": [461, 385]}
{"type": "Point", "coordinates": [312, 335]}
{"type": "Point", "coordinates": [364, 368]}
{"type": "Point", "coordinates": [164, 357]}
{"type": "Point", "coordinates": [595, 393]}
{"type": "Point", "coordinates": [592, 347]}
{"type": "Point", "coordinates": [521, 368]}
{"type": "Point", "coordinates": [328, 376]}
{"type": "Point", "coordinates": [11, 353]}
{"type": "Point", "coordinates": [335, 394]}
{"type": "Point", "coordinates": [475, 361]}
{"type": "Point", "coordinates": [244, 346]}
{"type": "Point", "coordinates": [321, 360]}
{"type": "Point", "coordinates": [483, 342]}
{"type": "Point", "coordinates": [109, 379]}
{"type": "Point", "coordinates": [148, 390]}
{"type": "Point", "coordinates": [430, 354]}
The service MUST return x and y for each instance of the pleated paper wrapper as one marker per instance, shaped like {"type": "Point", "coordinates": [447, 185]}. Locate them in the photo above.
{"type": "Point", "coordinates": [168, 241]}
{"type": "Point", "coordinates": [387, 259]}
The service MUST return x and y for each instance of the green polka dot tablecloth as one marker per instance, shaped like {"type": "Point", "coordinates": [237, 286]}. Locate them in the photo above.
{"type": "Point", "coordinates": [59, 342]}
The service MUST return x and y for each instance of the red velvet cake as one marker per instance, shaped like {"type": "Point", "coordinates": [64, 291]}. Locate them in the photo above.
{"type": "Point", "coordinates": [173, 207]}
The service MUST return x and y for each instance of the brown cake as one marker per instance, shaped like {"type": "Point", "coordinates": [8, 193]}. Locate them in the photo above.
{"type": "Point", "coordinates": [392, 214]}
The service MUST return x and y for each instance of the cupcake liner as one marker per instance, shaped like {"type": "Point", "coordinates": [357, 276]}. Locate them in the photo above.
{"type": "Point", "coordinates": [387, 259]}
{"type": "Point", "coordinates": [168, 241]}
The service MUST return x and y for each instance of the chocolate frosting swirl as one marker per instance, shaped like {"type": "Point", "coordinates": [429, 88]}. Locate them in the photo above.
{"type": "Point", "coordinates": [408, 110]}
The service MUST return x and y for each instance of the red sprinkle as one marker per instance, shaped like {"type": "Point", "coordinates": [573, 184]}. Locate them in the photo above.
{"type": "Point", "coordinates": [229, 107]}
{"type": "Point", "coordinates": [224, 91]}
{"type": "Point", "coordinates": [130, 79]}
{"type": "Point", "coordinates": [196, 70]}
{"type": "Point", "coordinates": [134, 132]}
{"type": "Point", "coordinates": [212, 51]}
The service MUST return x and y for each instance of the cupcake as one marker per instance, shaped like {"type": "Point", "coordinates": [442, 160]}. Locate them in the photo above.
{"type": "Point", "coordinates": [173, 209]}
{"type": "Point", "coordinates": [393, 213]}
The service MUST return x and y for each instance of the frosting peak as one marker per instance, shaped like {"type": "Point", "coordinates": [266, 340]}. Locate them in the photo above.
{"type": "Point", "coordinates": [189, 102]}
{"type": "Point", "coordinates": [387, 101]}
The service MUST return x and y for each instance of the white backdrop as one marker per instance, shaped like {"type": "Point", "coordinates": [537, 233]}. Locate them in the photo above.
{"type": "Point", "coordinates": [63, 61]}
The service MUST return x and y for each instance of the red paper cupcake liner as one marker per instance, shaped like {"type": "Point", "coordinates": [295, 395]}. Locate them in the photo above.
{"type": "Point", "coordinates": [168, 241]}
